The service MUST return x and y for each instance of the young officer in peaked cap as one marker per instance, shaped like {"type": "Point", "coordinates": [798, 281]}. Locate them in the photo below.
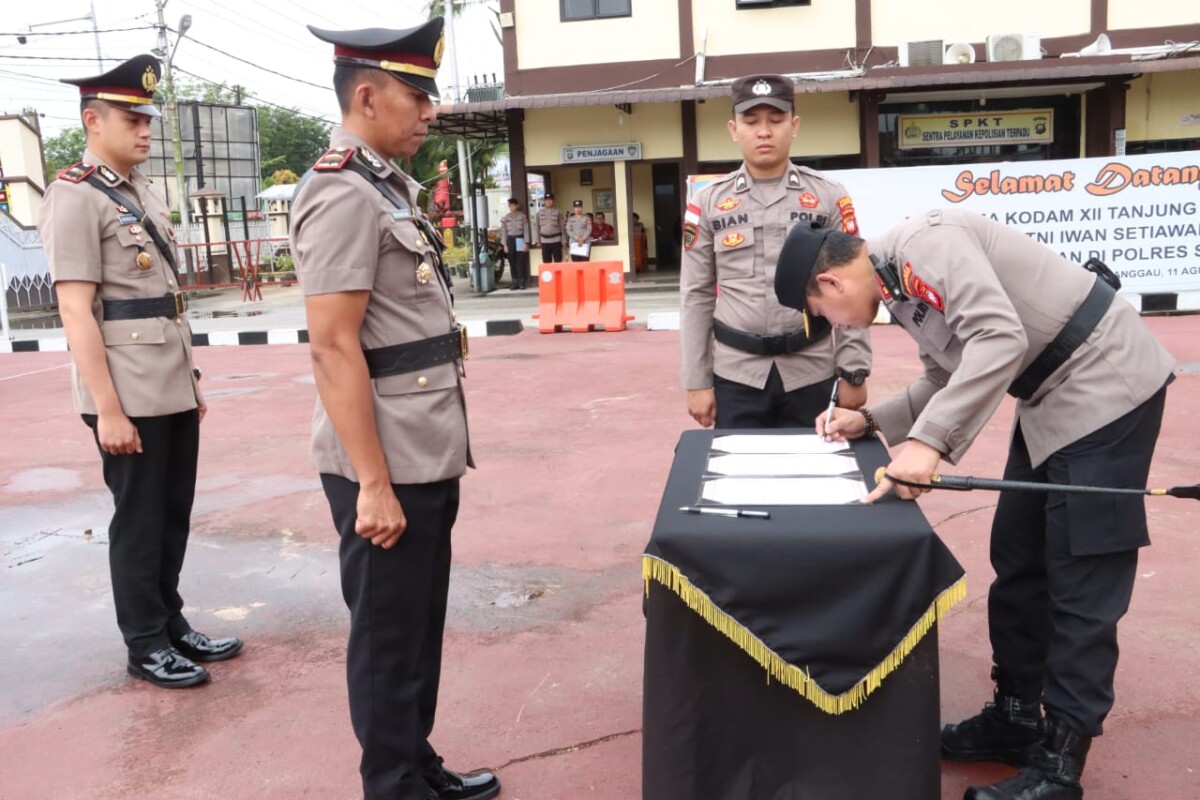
{"type": "Point", "coordinates": [995, 312]}
{"type": "Point", "coordinates": [748, 362]}
{"type": "Point", "coordinates": [111, 248]}
{"type": "Point", "coordinates": [389, 432]}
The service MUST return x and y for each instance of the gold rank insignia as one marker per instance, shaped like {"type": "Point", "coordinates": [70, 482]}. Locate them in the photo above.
{"type": "Point", "coordinates": [107, 174]}
{"type": "Point", "coordinates": [333, 159]}
{"type": "Point", "coordinates": [424, 273]}
{"type": "Point", "coordinates": [143, 260]}
{"type": "Point", "coordinates": [729, 204]}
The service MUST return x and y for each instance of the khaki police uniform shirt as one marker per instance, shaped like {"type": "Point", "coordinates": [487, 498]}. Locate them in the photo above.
{"type": "Point", "coordinates": [347, 237]}
{"type": "Point", "coordinates": [733, 233]}
{"type": "Point", "coordinates": [514, 224]}
{"type": "Point", "coordinates": [578, 228]}
{"type": "Point", "coordinates": [550, 224]}
{"type": "Point", "coordinates": [985, 300]}
{"type": "Point", "coordinates": [88, 238]}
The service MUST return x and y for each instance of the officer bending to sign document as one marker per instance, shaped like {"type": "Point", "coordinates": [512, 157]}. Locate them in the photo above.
{"type": "Point", "coordinates": [995, 312]}
{"type": "Point", "coordinates": [390, 430]}
{"type": "Point", "coordinates": [111, 249]}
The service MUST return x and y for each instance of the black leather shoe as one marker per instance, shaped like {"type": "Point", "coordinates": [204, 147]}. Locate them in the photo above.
{"type": "Point", "coordinates": [198, 647]}
{"type": "Point", "coordinates": [167, 668]}
{"type": "Point", "coordinates": [1054, 770]}
{"type": "Point", "coordinates": [1006, 730]}
{"type": "Point", "coordinates": [451, 785]}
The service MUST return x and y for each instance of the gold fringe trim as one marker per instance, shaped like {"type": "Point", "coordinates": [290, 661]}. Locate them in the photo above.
{"type": "Point", "coordinates": [668, 575]}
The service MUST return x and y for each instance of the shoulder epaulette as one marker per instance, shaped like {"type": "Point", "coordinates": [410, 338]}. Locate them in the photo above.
{"type": "Point", "coordinates": [334, 159]}
{"type": "Point", "coordinates": [76, 172]}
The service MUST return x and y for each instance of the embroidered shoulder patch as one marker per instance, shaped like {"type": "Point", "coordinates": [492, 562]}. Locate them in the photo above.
{"type": "Point", "coordinates": [76, 172]}
{"type": "Point", "coordinates": [849, 222]}
{"type": "Point", "coordinates": [334, 159]}
{"type": "Point", "coordinates": [915, 287]}
{"type": "Point", "coordinates": [690, 232]}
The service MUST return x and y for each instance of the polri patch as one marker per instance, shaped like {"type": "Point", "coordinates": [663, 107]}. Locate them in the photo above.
{"type": "Point", "coordinates": [915, 287]}
{"type": "Point", "coordinates": [809, 200]}
{"type": "Point", "coordinates": [690, 234]}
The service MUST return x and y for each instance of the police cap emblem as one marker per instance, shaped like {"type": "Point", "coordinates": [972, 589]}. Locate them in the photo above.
{"type": "Point", "coordinates": [761, 88]}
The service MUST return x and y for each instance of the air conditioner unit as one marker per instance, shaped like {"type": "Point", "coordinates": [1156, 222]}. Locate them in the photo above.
{"type": "Point", "coordinates": [927, 53]}
{"type": "Point", "coordinates": [1014, 47]}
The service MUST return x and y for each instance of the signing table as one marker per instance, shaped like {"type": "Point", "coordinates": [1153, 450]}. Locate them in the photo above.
{"type": "Point", "coordinates": [795, 657]}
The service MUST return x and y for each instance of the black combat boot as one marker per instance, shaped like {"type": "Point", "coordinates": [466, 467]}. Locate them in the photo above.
{"type": "Point", "coordinates": [1006, 728]}
{"type": "Point", "coordinates": [1055, 767]}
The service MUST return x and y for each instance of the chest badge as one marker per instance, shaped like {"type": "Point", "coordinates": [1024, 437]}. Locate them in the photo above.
{"type": "Point", "coordinates": [136, 230]}
{"type": "Point", "coordinates": [729, 203]}
{"type": "Point", "coordinates": [143, 260]}
{"type": "Point", "coordinates": [733, 239]}
{"type": "Point", "coordinates": [809, 200]}
{"type": "Point", "coordinates": [424, 273]}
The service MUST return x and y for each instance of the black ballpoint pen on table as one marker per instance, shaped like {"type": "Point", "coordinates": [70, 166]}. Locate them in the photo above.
{"type": "Point", "coordinates": [832, 405]}
{"type": "Point", "coordinates": [718, 511]}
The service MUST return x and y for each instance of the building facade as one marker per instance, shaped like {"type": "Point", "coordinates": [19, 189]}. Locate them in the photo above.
{"type": "Point", "coordinates": [618, 102]}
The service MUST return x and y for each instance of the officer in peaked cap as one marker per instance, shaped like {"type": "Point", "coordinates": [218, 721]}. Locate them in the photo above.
{"type": "Point", "coordinates": [129, 86]}
{"type": "Point", "coordinates": [748, 362]}
{"type": "Point", "coordinates": [111, 248]}
{"type": "Point", "coordinates": [994, 312]}
{"type": "Point", "coordinates": [389, 436]}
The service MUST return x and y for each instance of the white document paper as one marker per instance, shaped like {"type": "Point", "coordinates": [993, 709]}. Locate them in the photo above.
{"type": "Point", "coordinates": [783, 464]}
{"type": "Point", "coordinates": [578, 249]}
{"type": "Point", "coordinates": [777, 443]}
{"type": "Point", "coordinates": [783, 491]}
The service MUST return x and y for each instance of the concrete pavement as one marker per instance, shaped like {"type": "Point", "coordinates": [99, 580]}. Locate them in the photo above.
{"type": "Point", "coordinates": [573, 435]}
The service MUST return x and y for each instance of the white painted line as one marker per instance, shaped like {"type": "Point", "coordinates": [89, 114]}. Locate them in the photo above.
{"type": "Point", "coordinates": [476, 327]}
{"type": "Point", "coordinates": [223, 339]}
{"type": "Point", "coordinates": [283, 336]}
{"type": "Point", "coordinates": [662, 321]}
{"type": "Point", "coordinates": [34, 372]}
{"type": "Point", "coordinates": [53, 346]}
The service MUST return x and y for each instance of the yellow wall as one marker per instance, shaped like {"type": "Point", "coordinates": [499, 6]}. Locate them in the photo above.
{"type": "Point", "coordinates": [544, 40]}
{"type": "Point", "coordinates": [643, 201]}
{"type": "Point", "coordinates": [21, 157]}
{"type": "Point", "coordinates": [828, 126]}
{"type": "Point", "coordinates": [952, 21]}
{"type": "Point", "coordinates": [731, 31]}
{"type": "Point", "coordinates": [1149, 14]}
{"type": "Point", "coordinates": [1157, 102]}
{"type": "Point", "coordinates": [548, 130]}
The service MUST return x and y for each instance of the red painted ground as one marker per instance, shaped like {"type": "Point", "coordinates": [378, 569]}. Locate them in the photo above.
{"type": "Point", "coordinates": [573, 434]}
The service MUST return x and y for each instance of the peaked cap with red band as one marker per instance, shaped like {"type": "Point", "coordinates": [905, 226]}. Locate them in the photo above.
{"type": "Point", "coordinates": [411, 55]}
{"type": "Point", "coordinates": [129, 86]}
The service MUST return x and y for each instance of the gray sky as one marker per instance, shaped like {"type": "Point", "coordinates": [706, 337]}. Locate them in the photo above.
{"type": "Point", "coordinates": [270, 33]}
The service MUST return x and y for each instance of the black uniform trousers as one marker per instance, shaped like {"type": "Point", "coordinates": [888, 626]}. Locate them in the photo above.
{"type": "Point", "coordinates": [397, 602]}
{"type": "Point", "coordinates": [147, 537]}
{"type": "Point", "coordinates": [519, 262]}
{"type": "Point", "coordinates": [1065, 565]}
{"type": "Point", "coordinates": [742, 406]}
{"type": "Point", "coordinates": [551, 252]}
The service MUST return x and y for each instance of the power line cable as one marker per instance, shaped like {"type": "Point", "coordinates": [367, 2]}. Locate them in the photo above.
{"type": "Point", "coordinates": [194, 40]}
{"type": "Point", "coordinates": [39, 34]}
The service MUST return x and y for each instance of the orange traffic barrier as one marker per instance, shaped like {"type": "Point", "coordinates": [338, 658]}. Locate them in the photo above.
{"type": "Point", "coordinates": [581, 296]}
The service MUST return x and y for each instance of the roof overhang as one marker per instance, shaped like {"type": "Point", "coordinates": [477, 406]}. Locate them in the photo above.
{"type": "Point", "coordinates": [488, 120]}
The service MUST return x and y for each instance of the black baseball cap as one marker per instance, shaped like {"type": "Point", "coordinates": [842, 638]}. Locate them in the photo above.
{"type": "Point", "coordinates": [775, 91]}
{"type": "Point", "coordinates": [797, 258]}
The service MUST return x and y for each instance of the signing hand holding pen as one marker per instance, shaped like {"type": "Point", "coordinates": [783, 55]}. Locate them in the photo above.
{"type": "Point", "coordinates": [846, 424]}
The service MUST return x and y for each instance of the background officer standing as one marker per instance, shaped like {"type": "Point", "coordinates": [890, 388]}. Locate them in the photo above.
{"type": "Point", "coordinates": [748, 362]}
{"type": "Point", "coordinates": [110, 244]}
{"type": "Point", "coordinates": [994, 312]}
{"type": "Point", "coordinates": [549, 226]}
{"type": "Point", "coordinates": [390, 430]}
{"type": "Point", "coordinates": [579, 229]}
{"type": "Point", "coordinates": [515, 225]}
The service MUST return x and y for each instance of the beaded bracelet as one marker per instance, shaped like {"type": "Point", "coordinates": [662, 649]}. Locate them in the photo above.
{"type": "Point", "coordinates": [870, 418]}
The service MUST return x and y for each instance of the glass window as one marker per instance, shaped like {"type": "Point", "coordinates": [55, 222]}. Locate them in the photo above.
{"type": "Point", "coordinates": [771, 3]}
{"type": "Point", "coordinates": [592, 9]}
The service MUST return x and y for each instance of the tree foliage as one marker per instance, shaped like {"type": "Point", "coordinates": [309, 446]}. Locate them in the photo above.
{"type": "Point", "coordinates": [64, 150]}
{"type": "Point", "coordinates": [289, 140]}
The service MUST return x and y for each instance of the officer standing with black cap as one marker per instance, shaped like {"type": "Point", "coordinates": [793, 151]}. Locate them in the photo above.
{"type": "Point", "coordinates": [549, 224]}
{"type": "Point", "coordinates": [111, 248]}
{"type": "Point", "coordinates": [390, 429]}
{"type": "Point", "coordinates": [514, 227]}
{"type": "Point", "coordinates": [993, 312]}
{"type": "Point", "coordinates": [748, 362]}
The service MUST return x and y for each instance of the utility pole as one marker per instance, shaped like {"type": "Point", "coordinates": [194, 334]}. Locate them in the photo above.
{"type": "Point", "coordinates": [171, 120]}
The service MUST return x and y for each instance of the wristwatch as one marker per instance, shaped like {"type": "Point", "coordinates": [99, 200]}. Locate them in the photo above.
{"type": "Point", "coordinates": [856, 378]}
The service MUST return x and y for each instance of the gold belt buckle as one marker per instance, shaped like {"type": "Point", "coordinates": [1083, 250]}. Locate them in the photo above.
{"type": "Point", "coordinates": [180, 303]}
{"type": "Point", "coordinates": [463, 343]}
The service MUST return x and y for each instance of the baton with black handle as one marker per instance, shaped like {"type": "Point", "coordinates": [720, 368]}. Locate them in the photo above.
{"type": "Point", "coordinates": [966, 483]}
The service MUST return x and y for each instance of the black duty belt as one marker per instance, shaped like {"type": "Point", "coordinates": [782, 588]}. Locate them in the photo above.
{"type": "Point", "coordinates": [1074, 333]}
{"type": "Point", "coordinates": [773, 345]}
{"type": "Point", "coordinates": [169, 305]}
{"type": "Point", "coordinates": [398, 359]}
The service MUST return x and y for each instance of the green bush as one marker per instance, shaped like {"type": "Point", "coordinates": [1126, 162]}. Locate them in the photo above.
{"type": "Point", "coordinates": [283, 263]}
{"type": "Point", "coordinates": [457, 256]}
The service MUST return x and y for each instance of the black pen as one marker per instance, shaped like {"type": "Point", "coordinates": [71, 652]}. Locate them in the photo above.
{"type": "Point", "coordinates": [832, 403]}
{"type": "Point", "coordinates": [725, 512]}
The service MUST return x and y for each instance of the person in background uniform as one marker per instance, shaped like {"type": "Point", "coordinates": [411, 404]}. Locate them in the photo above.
{"type": "Point", "coordinates": [994, 312]}
{"type": "Point", "coordinates": [639, 227]}
{"type": "Point", "coordinates": [748, 362]}
{"type": "Point", "coordinates": [550, 223]}
{"type": "Point", "coordinates": [601, 230]}
{"type": "Point", "coordinates": [110, 245]}
{"type": "Point", "coordinates": [514, 226]}
{"type": "Point", "coordinates": [389, 432]}
{"type": "Point", "coordinates": [579, 229]}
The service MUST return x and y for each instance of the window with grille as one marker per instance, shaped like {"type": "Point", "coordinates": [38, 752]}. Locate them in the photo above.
{"type": "Point", "coordinates": [573, 10]}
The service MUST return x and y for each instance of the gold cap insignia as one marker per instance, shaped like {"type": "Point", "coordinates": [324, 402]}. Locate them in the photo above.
{"type": "Point", "coordinates": [149, 80]}
{"type": "Point", "coordinates": [143, 260]}
{"type": "Point", "coordinates": [438, 50]}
